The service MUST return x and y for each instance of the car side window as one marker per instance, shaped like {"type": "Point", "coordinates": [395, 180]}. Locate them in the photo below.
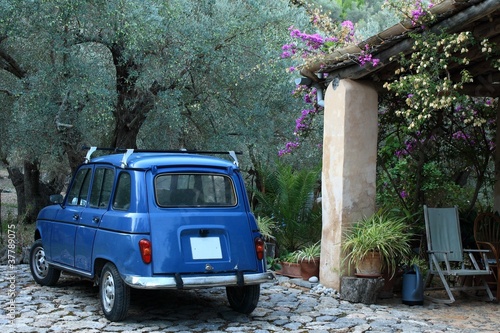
{"type": "Point", "coordinates": [77, 195]}
{"type": "Point", "coordinates": [101, 187]}
{"type": "Point", "coordinates": [122, 194]}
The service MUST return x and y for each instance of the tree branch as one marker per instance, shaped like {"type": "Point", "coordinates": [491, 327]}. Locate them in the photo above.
{"type": "Point", "coordinates": [10, 65]}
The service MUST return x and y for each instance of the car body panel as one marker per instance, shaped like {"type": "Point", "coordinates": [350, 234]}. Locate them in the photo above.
{"type": "Point", "coordinates": [87, 228]}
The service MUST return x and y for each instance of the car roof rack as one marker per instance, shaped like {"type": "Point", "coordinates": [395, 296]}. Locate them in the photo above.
{"type": "Point", "coordinates": [128, 152]}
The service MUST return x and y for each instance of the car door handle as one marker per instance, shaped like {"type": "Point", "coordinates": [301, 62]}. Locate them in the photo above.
{"type": "Point", "coordinates": [96, 219]}
{"type": "Point", "coordinates": [76, 217]}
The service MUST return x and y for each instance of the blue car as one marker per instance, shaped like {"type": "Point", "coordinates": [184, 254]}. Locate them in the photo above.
{"type": "Point", "coordinates": [153, 220]}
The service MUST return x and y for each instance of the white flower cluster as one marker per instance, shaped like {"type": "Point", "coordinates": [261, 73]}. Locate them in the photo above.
{"type": "Point", "coordinates": [425, 82]}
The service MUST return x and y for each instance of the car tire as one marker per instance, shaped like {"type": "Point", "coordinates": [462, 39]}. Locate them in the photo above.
{"type": "Point", "coordinates": [243, 299]}
{"type": "Point", "coordinates": [43, 273]}
{"type": "Point", "coordinates": [114, 294]}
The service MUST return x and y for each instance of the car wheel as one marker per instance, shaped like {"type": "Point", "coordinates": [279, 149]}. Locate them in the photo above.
{"type": "Point", "coordinates": [243, 299]}
{"type": "Point", "coordinates": [114, 293]}
{"type": "Point", "coordinates": [42, 272]}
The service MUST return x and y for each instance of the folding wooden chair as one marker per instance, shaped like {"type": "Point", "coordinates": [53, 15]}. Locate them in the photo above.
{"type": "Point", "coordinates": [487, 237]}
{"type": "Point", "coordinates": [448, 259]}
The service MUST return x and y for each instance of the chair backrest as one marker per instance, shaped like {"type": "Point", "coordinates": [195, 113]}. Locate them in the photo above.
{"type": "Point", "coordinates": [487, 229]}
{"type": "Point", "coordinates": [442, 226]}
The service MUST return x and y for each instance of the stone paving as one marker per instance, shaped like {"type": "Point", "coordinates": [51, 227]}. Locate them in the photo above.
{"type": "Point", "coordinates": [73, 306]}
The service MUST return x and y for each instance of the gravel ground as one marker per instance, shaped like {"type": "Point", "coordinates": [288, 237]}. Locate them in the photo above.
{"type": "Point", "coordinates": [284, 306]}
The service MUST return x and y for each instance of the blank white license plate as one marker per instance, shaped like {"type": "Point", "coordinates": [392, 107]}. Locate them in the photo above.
{"type": "Point", "coordinates": [206, 248]}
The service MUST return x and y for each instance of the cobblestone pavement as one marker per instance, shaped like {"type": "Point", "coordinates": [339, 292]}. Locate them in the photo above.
{"type": "Point", "coordinates": [73, 306]}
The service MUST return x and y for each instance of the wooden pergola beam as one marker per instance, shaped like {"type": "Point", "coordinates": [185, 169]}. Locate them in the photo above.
{"type": "Point", "coordinates": [347, 68]}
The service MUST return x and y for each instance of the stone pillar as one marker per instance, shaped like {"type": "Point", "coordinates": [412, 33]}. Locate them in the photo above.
{"type": "Point", "coordinates": [349, 169]}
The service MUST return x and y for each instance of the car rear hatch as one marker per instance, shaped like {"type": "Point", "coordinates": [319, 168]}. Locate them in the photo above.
{"type": "Point", "coordinates": [199, 225]}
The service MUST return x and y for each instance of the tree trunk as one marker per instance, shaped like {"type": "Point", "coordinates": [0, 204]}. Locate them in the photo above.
{"type": "Point", "coordinates": [132, 110]}
{"type": "Point", "coordinates": [133, 103]}
{"type": "Point", "coordinates": [75, 156]}
{"type": "Point", "coordinates": [33, 197]}
{"type": "Point", "coordinates": [32, 194]}
{"type": "Point", "coordinates": [125, 135]}
{"type": "Point", "coordinates": [131, 113]}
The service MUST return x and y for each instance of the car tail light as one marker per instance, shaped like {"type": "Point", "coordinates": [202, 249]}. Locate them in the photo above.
{"type": "Point", "coordinates": [145, 246]}
{"type": "Point", "coordinates": [259, 248]}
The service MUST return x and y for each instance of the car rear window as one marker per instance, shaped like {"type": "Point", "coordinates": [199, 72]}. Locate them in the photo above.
{"type": "Point", "coordinates": [194, 190]}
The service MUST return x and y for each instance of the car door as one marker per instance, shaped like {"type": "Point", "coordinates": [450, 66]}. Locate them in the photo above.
{"type": "Point", "coordinates": [62, 242]}
{"type": "Point", "coordinates": [91, 216]}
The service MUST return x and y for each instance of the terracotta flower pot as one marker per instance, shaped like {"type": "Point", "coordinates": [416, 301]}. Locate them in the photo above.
{"type": "Point", "coordinates": [370, 266]}
{"type": "Point", "coordinates": [309, 268]}
{"type": "Point", "coordinates": [290, 269]}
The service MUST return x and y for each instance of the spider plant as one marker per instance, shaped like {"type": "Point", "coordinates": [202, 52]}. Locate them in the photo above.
{"type": "Point", "coordinates": [382, 232]}
{"type": "Point", "coordinates": [309, 253]}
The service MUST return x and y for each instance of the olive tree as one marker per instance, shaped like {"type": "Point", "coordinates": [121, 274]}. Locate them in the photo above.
{"type": "Point", "coordinates": [154, 74]}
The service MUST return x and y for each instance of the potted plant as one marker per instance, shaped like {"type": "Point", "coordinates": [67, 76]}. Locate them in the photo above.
{"type": "Point", "coordinates": [378, 241]}
{"type": "Point", "coordinates": [290, 266]}
{"type": "Point", "coordinates": [308, 258]}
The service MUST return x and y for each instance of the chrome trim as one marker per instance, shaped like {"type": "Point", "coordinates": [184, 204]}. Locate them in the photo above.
{"type": "Point", "coordinates": [190, 282]}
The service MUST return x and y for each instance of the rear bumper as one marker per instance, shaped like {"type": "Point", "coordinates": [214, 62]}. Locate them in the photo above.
{"type": "Point", "coordinates": [191, 282]}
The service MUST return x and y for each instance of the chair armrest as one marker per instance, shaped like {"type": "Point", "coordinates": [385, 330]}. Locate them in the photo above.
{"type": "Point", "coordinates": [483, 256]}
{"type": "Point", "coordinates": [491, 248]}
{"type": "Point", "coordinates": [477, 251]}
{"type": "Point", "coordinates": [432, 252]}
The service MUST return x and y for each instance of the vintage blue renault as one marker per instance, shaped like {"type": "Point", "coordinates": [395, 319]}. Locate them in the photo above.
{"type": "Point", "coordinates": [153, 220]}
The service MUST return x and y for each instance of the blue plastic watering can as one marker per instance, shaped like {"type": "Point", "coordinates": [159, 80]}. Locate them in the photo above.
{"type": "Point", "coordinates": [413, 287]}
